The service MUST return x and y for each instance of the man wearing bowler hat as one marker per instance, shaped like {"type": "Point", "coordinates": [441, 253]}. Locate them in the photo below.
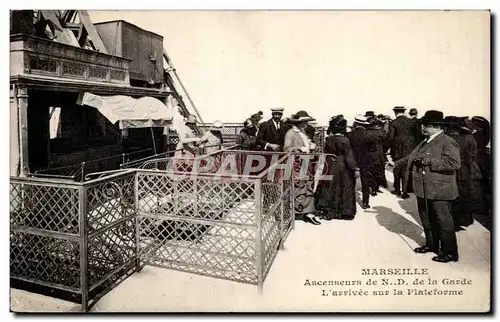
{"type": "Point", "coordinates": [271, 135]}
{"type": "Point", "coordinates": [401, 141]}
{"type": "Point", "coordinates": [433, 164]}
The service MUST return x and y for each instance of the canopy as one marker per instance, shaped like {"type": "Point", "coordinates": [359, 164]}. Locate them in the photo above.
{"type": "Point", "coordinates": [130, 112]}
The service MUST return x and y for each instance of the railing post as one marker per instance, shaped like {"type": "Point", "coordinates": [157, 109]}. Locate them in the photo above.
{"type": "Point", "coordinates": [83, 171]}
{"type": "Point", "coordinates": [137, 223]}
{"type": "Point", "coordinates": [123, 158]}
{"type": "Point", "coordinates": [258, 235]}
{"type": "Point", "coordinates": [84, 287]}
{"type": "Point", "coordinates": [282, 210]}
{"type": "Point", "coordinates": [292, 193]}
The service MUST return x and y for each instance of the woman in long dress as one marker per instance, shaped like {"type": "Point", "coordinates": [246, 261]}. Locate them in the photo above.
{"type": "Point", "coordinates": [469, 174]}
{"type": "Point", "coordinates": [297, 141]}
{"type": "Point", "coordinates": [338, 196]}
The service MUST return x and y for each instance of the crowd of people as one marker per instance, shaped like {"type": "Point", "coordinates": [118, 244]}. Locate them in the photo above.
{"type": "Point", "coordinates": [444, 161]}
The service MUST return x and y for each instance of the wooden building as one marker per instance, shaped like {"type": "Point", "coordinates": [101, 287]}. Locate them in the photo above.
{"type": "Point", "coordinates": [53, 62]}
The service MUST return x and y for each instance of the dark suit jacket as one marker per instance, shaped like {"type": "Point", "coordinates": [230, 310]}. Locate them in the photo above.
{"type": "Point", "coordinates": [268, 134]}
{"type": "Point", "coordinates": [401, 137]}
{"type": "Point", "coordinates": [417, 130]}
{"type": "Point", "coordinates": [362, 143]}
{"type": "Point", "coordinates": [376, 150]}
{"type": "Point", "coordinates": [440, 176]}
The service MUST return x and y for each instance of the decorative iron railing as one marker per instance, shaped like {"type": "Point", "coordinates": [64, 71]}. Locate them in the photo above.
{"type": "Point", "coordinates": [74, 237]}
{"type": "Point", "coordinates": [217, 215]}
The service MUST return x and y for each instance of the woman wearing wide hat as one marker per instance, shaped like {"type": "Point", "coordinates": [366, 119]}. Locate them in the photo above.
{"type": "Point", "coordinates": [297, 141]}
{"type": "Point", "coordinates": [212, 139]}
{"type": "Point", "coordinates": [433, 165]}
{"type": "Point", "coordinates": [337, 197]}
{"type": "Point", "coordinates": [248, 136]}
{"type": "Point", "coordinates": [482, 133]}
{"type": "Point", "coordinates": [188, 140]}
{"type": "Point", "coordinates": [469, 174]}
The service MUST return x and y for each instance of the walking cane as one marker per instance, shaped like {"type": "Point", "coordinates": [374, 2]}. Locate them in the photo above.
{"type": "Point", "coordinates": [425, 192]}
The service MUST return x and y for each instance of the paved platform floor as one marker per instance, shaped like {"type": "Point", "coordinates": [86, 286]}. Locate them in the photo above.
{"type": "Point", "coordinates": [335, 252]}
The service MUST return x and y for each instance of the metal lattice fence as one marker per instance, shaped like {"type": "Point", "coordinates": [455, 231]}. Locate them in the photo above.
{"type": "Point", "coordinates": [206, 223]}
{"type": "Point", "coordinates": [75, 237]}
{"type": "Point", "coordinates": [219, 215]}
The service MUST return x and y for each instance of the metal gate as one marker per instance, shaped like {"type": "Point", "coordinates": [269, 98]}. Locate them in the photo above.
{"type": "Point", "coordinates": [210, 222]}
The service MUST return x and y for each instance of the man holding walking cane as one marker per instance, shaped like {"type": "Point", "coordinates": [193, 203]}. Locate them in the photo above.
{"type": "Point", "coordinates": [433, 165]}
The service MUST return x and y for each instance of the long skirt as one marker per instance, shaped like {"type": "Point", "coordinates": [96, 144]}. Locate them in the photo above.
{"type": "Point", "coordinates": [337, 197]}
{"type": "Point", "coordinates": [304, 198]}
{"type": "Point", "coordinates": [304, 189]}
{"type": "Point", "coordinates": [468, 202]}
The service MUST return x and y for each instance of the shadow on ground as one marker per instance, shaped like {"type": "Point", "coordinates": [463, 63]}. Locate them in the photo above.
{"type": "Point", "coordinates": [395, 223]}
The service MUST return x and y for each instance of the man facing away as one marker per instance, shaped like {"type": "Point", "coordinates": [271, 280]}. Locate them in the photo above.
{"type": "Point", "coordinates": [433, 164]}
{"type": "Point", "coordinates": [417, 128]}
{"type": "Point", "coordinates": [401, 141]}
{"type": "Point", "coordinates": [362, 143]}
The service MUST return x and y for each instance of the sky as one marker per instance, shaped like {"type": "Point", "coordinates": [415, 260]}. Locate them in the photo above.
{"type": "Point", "coordinates": [234, 63]}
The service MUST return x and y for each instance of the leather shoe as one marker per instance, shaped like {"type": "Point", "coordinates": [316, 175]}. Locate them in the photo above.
{"type": "Point", "coordinates": [344, 217]}
{"type": "Point", "coordinates": [365, 205]}
{"type": "Point", "coordinates": [445, 258]}
{"type": "Point", "coordinates": [373, 193]}
{"type": "Point", "coordinates": [311, 220]}
{"type": "Point", "coordinates": [396, 192]}
{"type": "Point", "coordinates": [405, 196]}
{"type": "Point", "coordinates": [423, 250]}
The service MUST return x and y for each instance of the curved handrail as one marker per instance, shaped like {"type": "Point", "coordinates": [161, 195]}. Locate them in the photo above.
{"type": "Point", "coordinates": [101, 174]}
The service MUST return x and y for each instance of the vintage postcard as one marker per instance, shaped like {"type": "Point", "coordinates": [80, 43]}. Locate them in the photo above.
{"type": "Point", "coordinates": [250, 161]}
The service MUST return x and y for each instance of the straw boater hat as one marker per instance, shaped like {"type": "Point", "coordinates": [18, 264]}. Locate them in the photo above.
{"type": "Point", "coordinates": [301, 116]}
{"type": "Point", "coordinates": [399, 109]}
{"type": "Point", "coordinates": [433, 117]}
{"type": "Point", "coordinates": [277, 110]}
{"type": "Point", "coordinates": [361, 120]}
{"type": "Point", "coordinates": [191, 119]}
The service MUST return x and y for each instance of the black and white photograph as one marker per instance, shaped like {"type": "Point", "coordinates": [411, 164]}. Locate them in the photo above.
{"type": "Point", "coordinates": [273, 161]}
